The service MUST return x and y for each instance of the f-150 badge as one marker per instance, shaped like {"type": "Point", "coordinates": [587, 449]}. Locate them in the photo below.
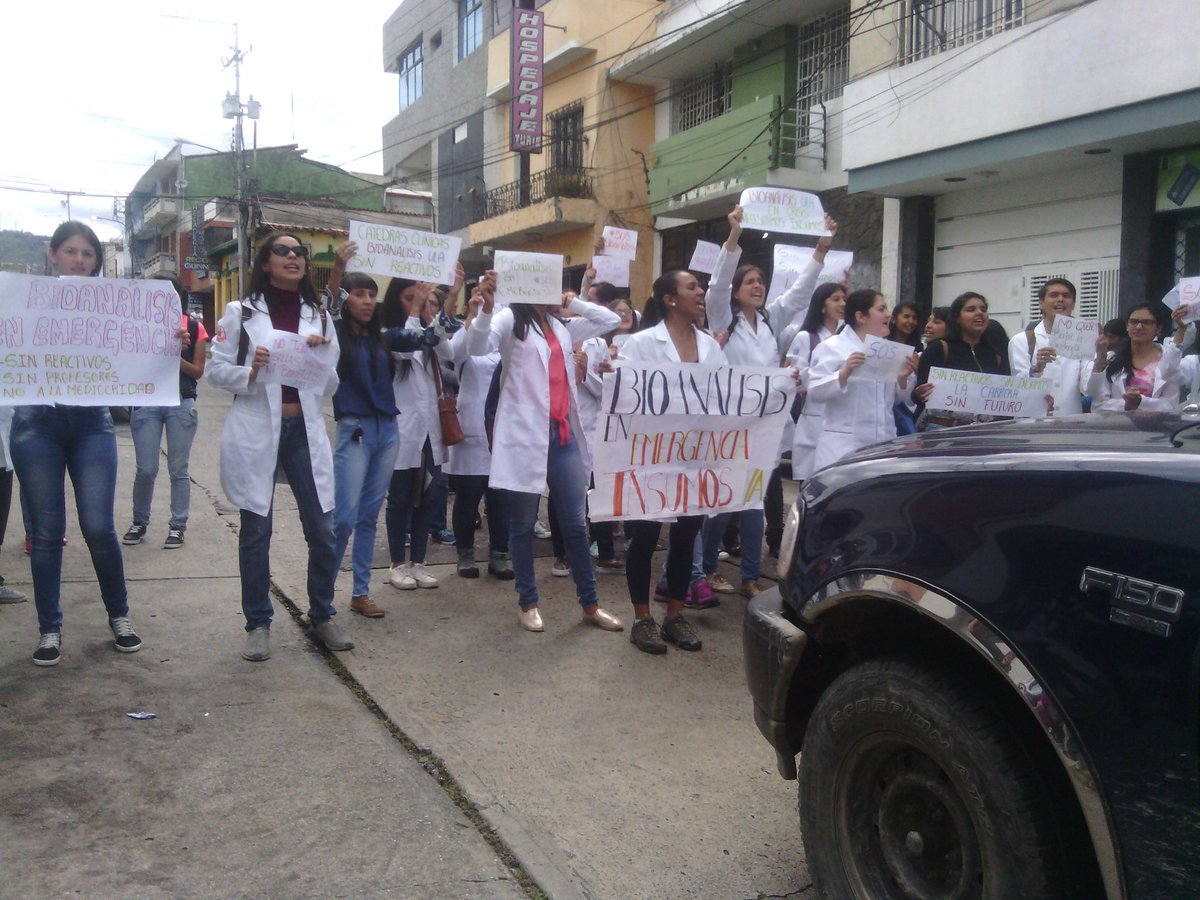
{"type": "Point", "coordinates": [1143, 605]}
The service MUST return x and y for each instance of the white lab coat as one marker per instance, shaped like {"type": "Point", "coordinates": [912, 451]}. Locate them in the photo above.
{"type": "Point", "coordinates": [522, 428]}
{"type": "Point", "coordinates": [250, 441]}
{"type": "Point", "coordinates": [855, 415]}
{"type": "Point", "coordinates": [1110, 396]}
{"type": "Point", "coordinates": [1180, 370]}
{"type": "Point", "coordinates": [749, 346]}
{"type": "Point", "coordinates": [808, 429]}
{"type": "Point", "coordinates": [417, 400]}
{"type": "Point", "coordinates": [1070, 376]}
{"type": "Point", "coordinates": [591, 391]}
{"type": "Point", "coordinates": [471, 456]}
{"type": "Point", "coordinates": [6, 416]}
{"type": "Point", "coordinates": [655, 345]}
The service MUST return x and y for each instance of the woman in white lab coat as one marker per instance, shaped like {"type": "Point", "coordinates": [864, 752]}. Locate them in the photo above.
{"type": "Point", "coordinates": [537, 439]}
{"type": "Point", "coordinates": [857, 411]}
{"type": "Point", "coordinates": [271, 428]}
{"type": "Point", "coordinates": [669, 334]}
{"type": "Point", "coordinates": [470, 460]}
{"type": "Point", "coordinates": [1137, 377]}
{"type": "Point", "coordinates": [825, 315]}
{"type": "Point", "coordinates": [421, 452]}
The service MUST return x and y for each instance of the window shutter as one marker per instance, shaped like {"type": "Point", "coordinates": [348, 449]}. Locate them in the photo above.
{"type": "Point", "coordinates": [1096, 280]}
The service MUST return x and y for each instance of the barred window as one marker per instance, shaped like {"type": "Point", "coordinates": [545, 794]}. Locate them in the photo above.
{"type": "Point", "coordinates": [566, 136]}
{"type": "Point", "coordinates": [931, 26]}
{"type": "Point", "coordinates": [702, 98]}
{"type": "Point", "coordinates": [470, 26]}
{"type": "Point", "coordinates": [412, 74]}
{"type": "Point", "coordinates": [824, 68]}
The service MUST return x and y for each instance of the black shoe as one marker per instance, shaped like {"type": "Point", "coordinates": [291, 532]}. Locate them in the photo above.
{"type": "Point", "coordinates": [174, 539]}
{"type": "Point", "coordinates": [48, 651]}
{"type": "Point", "coordinates": [134, 535]}
{"type": "Point", "coordinates": [644, 635]}
{"type": "Point", "coordinates": [678, 631]}
{"type": "Point", "coordinates": [125, 638]}
{"type": "Point", "coordinates": [466, 565]}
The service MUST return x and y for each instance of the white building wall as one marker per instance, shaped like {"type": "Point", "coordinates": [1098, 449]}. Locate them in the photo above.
{"type": "Point", "coordinates": [992, 239]}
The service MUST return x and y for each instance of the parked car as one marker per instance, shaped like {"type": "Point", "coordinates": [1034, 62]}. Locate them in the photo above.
{"type": "Point", "coordinates": [985, 652]}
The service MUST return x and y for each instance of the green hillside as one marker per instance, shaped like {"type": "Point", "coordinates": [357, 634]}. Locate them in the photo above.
{"type": "Point", "coordinates": [21, 251]}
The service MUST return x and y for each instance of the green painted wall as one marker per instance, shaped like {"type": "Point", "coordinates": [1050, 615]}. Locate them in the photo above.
{"type": "Point", "coordinates": [766, 67]}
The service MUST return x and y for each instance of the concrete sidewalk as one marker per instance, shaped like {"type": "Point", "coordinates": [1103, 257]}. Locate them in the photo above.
{"type": "Point", "coordinates": [268, 779]}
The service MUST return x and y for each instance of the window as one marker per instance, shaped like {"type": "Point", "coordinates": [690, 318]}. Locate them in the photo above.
{"type": "Point", "coordinates": [412, 74]}
{"type": "Point", "coordinates": [931, 26]}
{"type": "Point", "coordinates": [461, 133]}
{"type": "Point", "coordinates": [701, 98]}
{"type": "Point", "coordinates": [824, 68]}
{"type": "Point", "coordinates": [566, 137]}
{"type": "Point", "coordinates": [470, 26]}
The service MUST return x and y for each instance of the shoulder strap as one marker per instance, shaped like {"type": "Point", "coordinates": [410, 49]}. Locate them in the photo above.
{"type": "Point", "coordinates": [813, 340]}
{"type": "Point", "coordinates": [193, 327]}
{"type": "Point", "coordinates": [243, 335]}
{"type": "Point", "coordinates": [1030, 338]}
{"type": "Point", "coordinates": [945, 349]}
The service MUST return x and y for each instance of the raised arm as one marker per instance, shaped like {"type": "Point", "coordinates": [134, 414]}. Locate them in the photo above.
{"type": "Point", "coordinates": [720, 286]}
{"type": "Point", "coordinates": [793, 303]}
{"type": "Point", "coordinates": [590, 320]}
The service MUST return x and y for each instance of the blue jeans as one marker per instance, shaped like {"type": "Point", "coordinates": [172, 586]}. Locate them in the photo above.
{"type": "Point", "coordinates": [47, 444]}
{"type": "Point", "coordinates": [567, 480]}
{"type": "Point", "coordinates": [468, 491]}
{"type": "Point", "coordinates": [362, 469]}
{"type": "Point", "coordinates": [405, 518]}
{"type": "Point", "coordinates": [147, 424]}
{"type": "Point", "coordinates": [752, 522]}
{"type": "Point", "coordinates": [254, 541]}
{"type": "Point", "coordinates": [439, 488]}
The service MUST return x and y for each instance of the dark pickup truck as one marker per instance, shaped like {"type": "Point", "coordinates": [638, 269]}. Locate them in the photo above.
{"type": "Point", "coordinates": [985, 651]}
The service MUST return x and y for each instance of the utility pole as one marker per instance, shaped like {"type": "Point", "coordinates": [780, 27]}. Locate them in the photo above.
{"type": "Point", "coordinates": [232, 108]}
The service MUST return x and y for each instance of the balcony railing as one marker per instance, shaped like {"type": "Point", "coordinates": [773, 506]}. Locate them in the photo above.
{"type": "Point", "coordinates": [558, 182]}
{"type": "Point", "coordinates": [160, 264]}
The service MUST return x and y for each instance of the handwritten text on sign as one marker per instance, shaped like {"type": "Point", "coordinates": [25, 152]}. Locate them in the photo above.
{"type": "Point", "coordinates": [778, 209]}
{"type": "Point", "coordinates": [528, 278]}
{"type": "Point", "coordinates": [294, 363]}
{"type": "Point", "coordinates": [404, 253]}
{"type": "Point", "coordinates": [885, 360]}
{"type": "Point", "coordinates": [704, 257]}
{"type": "Point", "coordinates": [613, 269]}
{"type": "Point", "coordinates": [990, 395]}
{"type": "Point", "coordinates": [88, 341]}
{"type": "Point", "coordinates": [1074, 338]}
{"type": "Point", "coordinates": [620, 242]}
{"type": "Point", "coordinates": [684, 439]}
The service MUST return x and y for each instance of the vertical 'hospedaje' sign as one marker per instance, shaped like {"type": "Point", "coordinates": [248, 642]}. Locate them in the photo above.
{"type": "Point", "coordinates": [525, 79]}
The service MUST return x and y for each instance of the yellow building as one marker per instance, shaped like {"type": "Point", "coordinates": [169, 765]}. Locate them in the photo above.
{"type": "Point", "coordinates": [592, 168]}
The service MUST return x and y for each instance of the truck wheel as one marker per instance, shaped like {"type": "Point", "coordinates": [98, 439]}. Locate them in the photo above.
{"type": "Point", "coordinates": [911, 787]}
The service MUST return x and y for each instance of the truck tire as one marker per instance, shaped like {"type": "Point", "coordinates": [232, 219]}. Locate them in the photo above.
{"type": "Point", "coordinates": [911, 787]}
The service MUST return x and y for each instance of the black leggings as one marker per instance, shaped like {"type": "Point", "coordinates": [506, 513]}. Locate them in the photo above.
{"type": "Point", "coordinates": [643, 536]}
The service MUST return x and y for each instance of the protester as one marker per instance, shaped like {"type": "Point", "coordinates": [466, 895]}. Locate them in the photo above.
{"type": "Point", "coordinates": [965, 347]}
{"type": "Point", "coordinates": [471, 459]}
{"type": "Point", "coordinates": [630, 323]}
{"type": "Point", "coordinates": [273, 427]}
{"type": "Point", "coordinates": [1178, 368]}
{"type": "Point", "coordinates": [857, 411]}
{"type": "Point", "coordinates": [1030, 353]}
{"type": "Point", "coordinates": [1135, 377]}
{"type": "Point", "coordinates": [537, 439]}
{"type": "Point", "coordinates": [47, 443]}
{"type": "Point", "coordinates": [905, 328]}
{"type": "Point", "coordinates": [669, 335]}
{"type": "Point", "coordinates": [936, 325]}
{"type": "Point", "coordinates": [825, 315]}
{"type": "Point", "coordinates": [364, 407]}
{"type": "Point", "coordinates": [147, 424]}
{"type": "Point", "coordinates": [411, 497]}
{"type": "Point", "coordinates": [7, 594]}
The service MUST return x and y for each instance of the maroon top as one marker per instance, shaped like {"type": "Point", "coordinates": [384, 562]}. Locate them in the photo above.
{"type": "Point", "coordinates": [285, 316]}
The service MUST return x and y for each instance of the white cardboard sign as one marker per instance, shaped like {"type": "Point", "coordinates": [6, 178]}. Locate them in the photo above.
{"type": "Point", "coordinates": [682, 439]}
{"type": "Point", "coordinates": [993, 395]}
{"type": "Point", "coordinates": [885, 360]}
{"type": "Point", "coordinates": [404, 253]}
{"type": "Point", "coordinates": [613, 269]}
{"type": "Point", "coordinates": [704, 257]}
{"type": "Point", "coordinates": [528, 278]}
{"type": "Point", "coordinates": [837, 266]}
{"type": "Point", "coordinates": [1074, 338]}
{"type": "Point", "coordinates": [294, 363]}
{"type": "Point", "coordinates": [780, 209]}
{"type": "Point", "coordinates": [88, 341]}
{"type": "Point", "coordinates": [620, 242]}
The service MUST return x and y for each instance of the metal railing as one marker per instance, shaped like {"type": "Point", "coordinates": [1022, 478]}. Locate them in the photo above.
{"type": "Point", "coordinates": [928, 27]}
{"type": "Point", "coordinates": [557, 182]}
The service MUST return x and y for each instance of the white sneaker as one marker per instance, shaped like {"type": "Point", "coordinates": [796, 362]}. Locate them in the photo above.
{"type": "Point", "coordinates": [541, 531]}
{"type": "Point", "coordinates": [595, 551]}
{"type": "Point", "coordinates": [420, 575]}
{"type": "Point", "coordinates": [401, 579]}
{"type": "Point", "coordinates": [560, 569]}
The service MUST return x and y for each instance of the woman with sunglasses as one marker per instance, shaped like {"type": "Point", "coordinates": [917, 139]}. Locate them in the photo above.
{"type": "Point", "coordinates": [48, 443]}
{"type": "Point", "coordinates": [1136, 377]}
{"type": "Point", "coordinates": [273, 427]}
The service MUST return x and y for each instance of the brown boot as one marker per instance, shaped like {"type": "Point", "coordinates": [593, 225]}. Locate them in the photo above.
{"type": "Point", "coordinates": [364, 607]}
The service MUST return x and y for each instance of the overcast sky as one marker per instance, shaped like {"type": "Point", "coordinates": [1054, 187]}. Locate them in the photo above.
{"type": "Point", "coordinates": [102, 90]}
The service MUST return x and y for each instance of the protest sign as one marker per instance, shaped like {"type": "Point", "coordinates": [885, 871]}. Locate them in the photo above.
{"type": "Point", "coordinates": [403, 253]}
{"type": "Point", "coordinates": [684, 439]}
{"type": "Point", "coordinates": [789, 263]}
{"type": "Point", "coordinates": [88, 341]}
{"type": "Point", "coordinates": [613, 269]}
{"type": "Point", "coordinates": [294, 363]}
{"type": "Point", "coordinates": [704, 257]}
{"type": "Point", "coordinates": [620, 242]}
{"type": "Point", "coordinates": [779, 209]}
{"type": "Point", "coordinates": [991, 395]}
{"type": "Point", "coordinates": [528, 278]}
{"type": "Point", "coordinates": [1074, 338]}
{"type": "Point", "coordinates": [837, 266]}
{"type": "Point", "coordinates": [885, 360]}
{"type": "Point", "coordinates": [1187, 294]}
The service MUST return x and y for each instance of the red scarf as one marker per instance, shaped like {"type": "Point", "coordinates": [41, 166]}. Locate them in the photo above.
{"type": "Point", "coordinates": [560, 388]}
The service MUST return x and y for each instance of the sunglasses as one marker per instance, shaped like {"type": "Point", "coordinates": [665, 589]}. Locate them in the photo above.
{"type": "Point", "coordinates": [283, 250]}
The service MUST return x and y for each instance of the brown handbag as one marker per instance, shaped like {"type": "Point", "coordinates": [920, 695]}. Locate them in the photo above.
{"type": "Point", "coordinates": [452, 432]}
